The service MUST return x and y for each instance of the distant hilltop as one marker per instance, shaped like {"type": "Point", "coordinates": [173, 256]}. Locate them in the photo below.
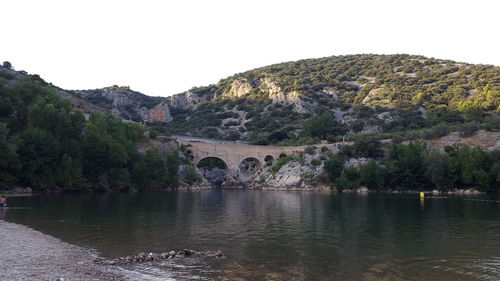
{"type": "Point", "coordinates": [362, 94]}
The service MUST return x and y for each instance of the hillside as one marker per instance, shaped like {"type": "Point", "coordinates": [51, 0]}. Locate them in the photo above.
{"type": "Point", "coordinates": [364, 94]}
{"type": "Point", "coordinates": [52, 138]}
{"type": "Point", "coordinates": [389, 96]}
{"type": "Point", "coordinates": [122, 102]}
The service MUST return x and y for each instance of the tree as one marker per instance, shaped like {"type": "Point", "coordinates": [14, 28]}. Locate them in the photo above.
{"type": "Point", "coordinates": [349, 178]}
{"type": "Point", "coordinates": [469, 167]}
{"type": "Point", "coordinates": [39, 153]}
{"type": "Point", "coordinates": [366, 146]}
{"type": "Point", "coordinates": [192, 175]}
{"type": "Point", "coordinates": [69, 174]}
{"type": "Point", "coordinates": [322, 126]}
{"type": "Point", "coordinates": [8, 159]}
{"type": "Point", "coordinates": [155, 170]}
{"type": "Point", "coordinates": [372, 175]}
{"type": "Point", "coordinates": [437, 168]}
{"type": "Point", "coordinates": [106, 148]}
{"type": "Point", "coordinates": [7, 65]}
{"type": "Point", "coordinates": [407, 165]}
{"type": "Point", "coordinates": [334, 166]}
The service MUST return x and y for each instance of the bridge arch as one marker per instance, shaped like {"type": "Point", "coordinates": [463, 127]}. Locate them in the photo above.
{"type": "Point", "coordinates": [269, 160]}
{"type": "Point", "coordinates": [214, 169]}
{"type": "Point", "coordinates": [212, 162]}
{"type": "Point", "coordinates": [250, 165]}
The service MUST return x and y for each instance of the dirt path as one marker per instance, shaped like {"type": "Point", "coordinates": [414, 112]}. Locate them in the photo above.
{"type": "Point", "coordinates": [27, 254]}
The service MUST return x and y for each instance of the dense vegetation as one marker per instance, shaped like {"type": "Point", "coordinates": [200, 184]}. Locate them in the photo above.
{"type": "Point", "coordinates": [390, 94]}
{"type": "Point", "coordinates": [366, 98]}
{"type": "Point", "coordinates": [415, 166]}
{"type": "Point", "coordinates": [45, 144]}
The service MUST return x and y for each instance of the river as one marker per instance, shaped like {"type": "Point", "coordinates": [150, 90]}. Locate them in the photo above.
{"type": "Point", "coordinates": [279, 235]}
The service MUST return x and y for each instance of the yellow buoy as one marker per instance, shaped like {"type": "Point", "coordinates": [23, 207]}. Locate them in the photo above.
{"type": "Point", "coordinates": [422, 195]}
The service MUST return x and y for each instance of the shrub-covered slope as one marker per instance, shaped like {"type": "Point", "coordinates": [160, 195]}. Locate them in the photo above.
{"type": "Point", "coordinates": [394, 96]}
{"type": "Point", "coordinates": [348, 94]}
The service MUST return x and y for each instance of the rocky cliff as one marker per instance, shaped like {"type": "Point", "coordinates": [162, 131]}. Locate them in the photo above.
{"type": "Point", "coordinates": [128, 104]}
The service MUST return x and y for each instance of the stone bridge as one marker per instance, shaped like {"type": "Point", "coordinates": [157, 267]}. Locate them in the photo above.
{"type": "Point", "coordinates": [235, 153]}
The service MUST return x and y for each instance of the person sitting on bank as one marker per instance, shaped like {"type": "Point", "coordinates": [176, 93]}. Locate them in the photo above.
{"type": "Point", "coordinates": [3, 201]}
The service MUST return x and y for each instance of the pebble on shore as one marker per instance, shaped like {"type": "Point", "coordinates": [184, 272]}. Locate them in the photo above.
{"type": "Point", "coordinates": [28, 254]}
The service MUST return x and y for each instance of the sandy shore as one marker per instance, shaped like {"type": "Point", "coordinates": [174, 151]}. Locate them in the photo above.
{"type": "Point", "coordinates": [27, 254]}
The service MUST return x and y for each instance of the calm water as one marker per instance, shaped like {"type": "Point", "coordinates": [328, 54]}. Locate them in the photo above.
{"type": "Point", "coordinates": [280, 235]}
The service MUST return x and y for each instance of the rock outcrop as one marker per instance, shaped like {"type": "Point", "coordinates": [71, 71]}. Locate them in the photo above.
{"type": "Point", "coordinates": [238, 88]}
{"type": "Point", "coordinates": [128, 104]}
{"type": "Point", "coordinates": [159, 113]}
{"type": "Point", "coordinates": [188, 100]}
{"type": "Point", "coordinates": [291, 174]}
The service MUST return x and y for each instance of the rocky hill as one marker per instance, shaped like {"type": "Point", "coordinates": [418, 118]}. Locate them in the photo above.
{"type": "Point", "coordinates": [364, 94]}
{"type": "Point", "coordinates": [356, 94]}
{"type": "Point", "coordinates": [128, 104]}
{"type": "Point", "coordinates": [11, 77]}
{"type": "Point", "coordinates": [119, 101]}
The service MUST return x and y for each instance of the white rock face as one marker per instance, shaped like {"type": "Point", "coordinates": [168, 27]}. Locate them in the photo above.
{"type": "Point", "coordinates": [497, 146]}
{"type": "Point", "coordinates": [386, 116]}
{"type": "Point", "coordinates": [186, 100]}
{"type": "Point", "coordinates": [297, 174]}
{"type": "Point", "coordinates": [286, 98]}
{"type": "Point", "coordinates": [331, 92]}
{"type": "Point", "coordinates": [289, 175]}
{"type": "Point", "coordinates": [339, 114]}
{"type": "Point", "coordinates": [356, 162]}
{"type": "Point", "coordinates": [239, 88]}
{"type": "Point", "coordinates": [371, 129]}
{"type": "Point", "coordinates": [423, 112]}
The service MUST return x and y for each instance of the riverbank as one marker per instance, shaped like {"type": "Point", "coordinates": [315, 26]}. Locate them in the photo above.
{"type": "Point", "coordinates": [27, 254]}
{"type": "Point", "coordinates": [325, 188]}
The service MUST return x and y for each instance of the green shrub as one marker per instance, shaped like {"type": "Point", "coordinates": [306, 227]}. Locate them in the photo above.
{"type": "Point", "coordinates": [315, 162]}
{"type": "Point", "coordinates": [310, 149]}
{"type": "Point", "coordinates": [282, 160]}
{"type": "Point", "coordinates": [192, 175]}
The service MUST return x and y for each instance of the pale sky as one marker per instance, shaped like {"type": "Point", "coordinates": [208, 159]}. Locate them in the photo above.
{"type": "Point", "coordinates": [166, 47]}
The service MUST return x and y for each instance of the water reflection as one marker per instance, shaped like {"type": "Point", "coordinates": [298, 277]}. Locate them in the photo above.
{"type": "Point", "coordinates": [283, 235]}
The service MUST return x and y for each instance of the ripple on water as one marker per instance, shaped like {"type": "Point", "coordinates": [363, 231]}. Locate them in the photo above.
{"type": "Point", "coordinates": [424, 268]}
{"type": "Point", "coordinates": [171, 270]}
{"type": "Point", "coordinates": [280, 235]}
